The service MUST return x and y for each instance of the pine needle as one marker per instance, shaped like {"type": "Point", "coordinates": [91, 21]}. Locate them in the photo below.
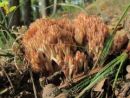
{"type": "Point", "coordinates": [109, 42]}
{"type": "Point", "coordinates": [110, 68]}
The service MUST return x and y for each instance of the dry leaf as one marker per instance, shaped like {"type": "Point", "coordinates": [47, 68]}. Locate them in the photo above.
{"type": "Point", "coordinates": [99, 86]}
{"type": "Point", "coordinates": [128, 68]}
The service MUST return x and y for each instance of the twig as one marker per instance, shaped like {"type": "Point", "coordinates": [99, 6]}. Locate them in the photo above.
{"type": "Point", "coordinates": [3, 91]}
{"type": "Point", "coordinates": [6, 55]}
{"type": "Point", "coordinates": [15, 63]}
{"type": "Point", "coordinates": [34, 88]}
{"type": "Point", "coordinates": [54, 7]}
{"type": "Point", "coordinates": [11, 84]}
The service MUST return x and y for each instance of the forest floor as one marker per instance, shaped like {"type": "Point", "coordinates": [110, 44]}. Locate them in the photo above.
{"type": "Point", "coordinates": [18, 81]}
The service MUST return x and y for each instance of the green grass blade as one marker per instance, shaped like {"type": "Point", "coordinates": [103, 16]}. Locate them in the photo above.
{"type": "Point", "coordinates": [108, 44]}
{"type": "Point", "coordinates": [120, 66]}
{"type": "Point", "coordinates": [110, 69]}
{"type": "Point", "coordinates": [69, 5]}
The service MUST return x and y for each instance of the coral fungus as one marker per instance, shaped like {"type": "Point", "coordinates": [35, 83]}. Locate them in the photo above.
{"type": "Point", "coordinates": [75, 64]}
{"type": "Point", "coordinates": [50, 40]}
{"type": "Point", "coordinates": [91, 31]}
{"type": "Point", "coordinates": [120, 40]}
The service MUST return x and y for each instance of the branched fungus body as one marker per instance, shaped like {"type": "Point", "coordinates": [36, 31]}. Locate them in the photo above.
{"type": "Point", "coordinates": [91, 32]}
{"type": "Point", "coordinates": [49, 40]}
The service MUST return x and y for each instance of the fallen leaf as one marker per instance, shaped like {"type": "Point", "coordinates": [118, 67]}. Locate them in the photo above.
{"type": "Point", "coordinates": [99, 86]}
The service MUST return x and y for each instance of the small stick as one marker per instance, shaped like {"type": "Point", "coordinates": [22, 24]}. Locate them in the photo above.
{"type": "Point", "coordinates": [34, 88]}
{"type": "Point", "coordinates": [11, 84]}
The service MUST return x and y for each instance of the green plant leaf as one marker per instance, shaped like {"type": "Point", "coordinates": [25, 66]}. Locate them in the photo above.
{"type": "Point", "coordinates": [4, 3]}
{"type": "Point", "coordinates": [11, 9]}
